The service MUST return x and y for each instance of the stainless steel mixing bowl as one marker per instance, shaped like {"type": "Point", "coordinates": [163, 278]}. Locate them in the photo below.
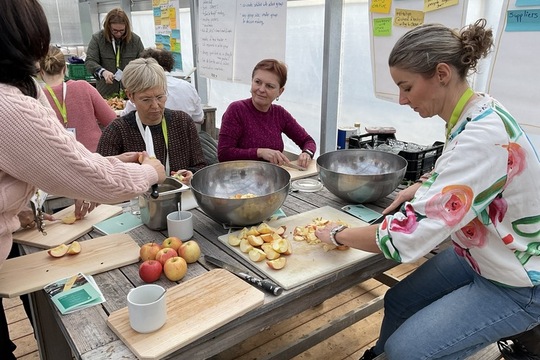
{"type": "Point", "coordinates": [361, 176]}
{"type": "Point", "coordinates": [215, 185]}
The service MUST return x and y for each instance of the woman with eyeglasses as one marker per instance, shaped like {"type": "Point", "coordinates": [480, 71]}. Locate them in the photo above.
{"type": "Point", "coordinates": [175, 138]}
{"type": "Point", "coordinates": [110, 50]}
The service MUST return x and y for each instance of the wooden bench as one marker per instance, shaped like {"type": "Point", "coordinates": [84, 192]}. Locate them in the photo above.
{"type": "Point", "coordinates": [489, 353]}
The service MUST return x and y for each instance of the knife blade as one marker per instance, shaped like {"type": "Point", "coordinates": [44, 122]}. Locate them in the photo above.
{"type": "Point", "coordinates": [149, 143]}
{"type": "Point", "coordinates": [266, 285]}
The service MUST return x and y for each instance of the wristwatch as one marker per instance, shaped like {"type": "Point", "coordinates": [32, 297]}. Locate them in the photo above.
{"type": "Point", "coordinates": [309, 152]}
{"type": "Point", "coordinates": [333, 233]}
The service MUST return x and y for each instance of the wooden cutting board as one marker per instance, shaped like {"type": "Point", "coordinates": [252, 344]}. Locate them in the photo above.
{"type": "Point", "coordinates": [300, 174]}
{"type": "Point", "coordinates": [307, 262]}
{"type": "Point", "coordinates": [60, 233]}
{"type": "Point", "coordinates": [194, 308]}
{"type": "Point", "coordinates": [28, 273]}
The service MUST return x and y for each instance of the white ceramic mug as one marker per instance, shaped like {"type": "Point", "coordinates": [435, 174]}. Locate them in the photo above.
{"type": "Point", "coordinates": [180, 226]}
{"type": "Point", "coordinates": [147, 308]}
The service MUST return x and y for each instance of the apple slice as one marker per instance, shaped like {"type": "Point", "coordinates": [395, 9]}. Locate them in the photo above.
{"type": "Point", "coordinates": [264, 228]}
{"type": "Point", "coordinates": [257, 255]}
{"type": "Point", "coordinates": [234, 240]}
{"type": "Point", "coordinates": [69, 219]}
{"type": "Point", "coordinates": [74, 248]}
{"type": "Point", "coordinates": [280, 245]}
{"type": "Point", "coordinates": [252, 231]}
{"type": "Point", "coordinates": [245, 246]}
{"type": "Point", "coordinates": [255, 240]}
{"type": "Point", "coordinates": [271, 254]}
{"type": "Point", "coordinates": [58, 251]}
{"type": "Point", "coordinates": [277, 264]}
{"type": "Point", "coordinates": [267, 237]}
{"type": "Point", "coordinates": [289, 248]}
{"type": "Point", "coordinates": [281, 230]}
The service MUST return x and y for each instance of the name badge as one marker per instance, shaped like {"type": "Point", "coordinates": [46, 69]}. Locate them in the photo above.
{"type": "Point", "coordinates": [73, 131]}
{"type": "Point", "coordinates": [118, 75]}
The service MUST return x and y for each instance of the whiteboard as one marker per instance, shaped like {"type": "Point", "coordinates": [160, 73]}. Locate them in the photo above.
{"type": "Point", "coordinates": [515, 77]}
{"type": "Point", "coordinates": [234, 36]}
{"type": "Point", "coordinates": [453, 16]}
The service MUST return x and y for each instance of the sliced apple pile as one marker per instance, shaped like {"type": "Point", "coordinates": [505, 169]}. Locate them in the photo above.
{"type": "Point", "coordinates": [307, 233]}
{"type": "Point", "coordinates": [73, 249]}
{"type": "Point", "coordinates": [263, 242]}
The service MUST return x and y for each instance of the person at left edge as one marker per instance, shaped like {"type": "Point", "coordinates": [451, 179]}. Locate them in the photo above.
{"type": "Point", "coordinates": [110, 50]}
{"type": "Point", "coordinates": [175, 137]}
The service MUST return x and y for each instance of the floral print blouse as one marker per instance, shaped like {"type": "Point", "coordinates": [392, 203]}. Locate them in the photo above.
{"type": "Point", "coordinates": [484, 193]}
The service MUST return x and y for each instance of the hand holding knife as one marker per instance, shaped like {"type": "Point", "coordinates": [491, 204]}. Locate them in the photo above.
{"type": "Point", "coordinates": [148, 141]}
{"type": "Point", "coordinates": [266, 285]}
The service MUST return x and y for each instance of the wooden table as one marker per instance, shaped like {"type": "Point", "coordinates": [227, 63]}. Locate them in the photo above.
{"type": "Point", "coordinates": [85, 334]}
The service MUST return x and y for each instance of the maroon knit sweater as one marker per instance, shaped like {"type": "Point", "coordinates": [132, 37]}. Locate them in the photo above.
{"type": "Point", "coordinates": [244, 129]}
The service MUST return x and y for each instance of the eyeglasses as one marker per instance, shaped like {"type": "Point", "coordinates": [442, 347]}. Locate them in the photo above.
{"type": "Point", "coordinates": [118, 31]}
{"type": "Point", "coordinates": [147, 101]}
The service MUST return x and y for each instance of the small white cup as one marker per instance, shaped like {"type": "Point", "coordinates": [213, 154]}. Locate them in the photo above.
{"type": "Point", "coordinates": [180, 226]}
{"type": "Point", "coordinates": [147, 310]}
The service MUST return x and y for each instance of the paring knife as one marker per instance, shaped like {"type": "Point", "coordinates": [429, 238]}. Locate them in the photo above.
{"type": "Point", "coordinates": [148, 141]}
{"type": "Point", "coordinates": [263, 284]}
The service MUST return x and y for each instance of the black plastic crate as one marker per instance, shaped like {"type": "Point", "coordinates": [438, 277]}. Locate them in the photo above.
{"type": "Point", "coordinates": [419, 162]}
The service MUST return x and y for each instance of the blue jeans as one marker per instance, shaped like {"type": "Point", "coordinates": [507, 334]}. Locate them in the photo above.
{"type": "Point", "coordinates": [444, 310]}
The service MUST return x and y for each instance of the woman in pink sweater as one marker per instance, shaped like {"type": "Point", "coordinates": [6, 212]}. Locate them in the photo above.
{"type": "Point", "coordinates": [77, 104]}
{"type": "Point", "coordinates": [37, 151]}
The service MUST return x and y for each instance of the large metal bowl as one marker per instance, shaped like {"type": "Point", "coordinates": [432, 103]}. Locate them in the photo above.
{"type": "Point", "coordinates": [361, 176]}
{"type": "Point", "coordinates": [215, 185]}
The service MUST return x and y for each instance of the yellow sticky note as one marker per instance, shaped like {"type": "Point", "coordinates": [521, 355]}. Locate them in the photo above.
{"type": "Point", "coordinates": [380, 6]}
{"type": "Point", "coordinates": [431, 5]}
{"type": "Point", "coordinates": [382, 26]}
{"type": "Point", "coordinates": [172, 23]}
{"type": "Point", "coordinates": [408, 18]}
{"type": "Point", "coordinates": [155, 3]}
{"type": "Point", "coordinates": [172, 13]}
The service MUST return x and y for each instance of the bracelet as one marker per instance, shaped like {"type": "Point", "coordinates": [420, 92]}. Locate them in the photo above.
{"type": "Point", "coordinates": [309, 152]}
{"type": "Point", "coordinates": [334, 232]}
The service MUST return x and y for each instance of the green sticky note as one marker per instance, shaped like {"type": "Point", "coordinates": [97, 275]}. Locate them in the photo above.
{"type": "Point", "coordinates": [382, 26]}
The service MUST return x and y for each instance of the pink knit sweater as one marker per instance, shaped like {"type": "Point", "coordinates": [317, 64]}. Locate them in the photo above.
{"type": "Point", "coordinates": [37, 152]}
{"type": "Point", "coordinates": [86, 110]}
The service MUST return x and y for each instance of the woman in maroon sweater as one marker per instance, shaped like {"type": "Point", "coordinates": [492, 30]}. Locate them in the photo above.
{"type": "Point", "coordinates": [251, 129]}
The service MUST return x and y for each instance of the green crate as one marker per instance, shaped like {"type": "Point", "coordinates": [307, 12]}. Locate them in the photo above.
{"type": "Point", "coordinates": [78, 72]}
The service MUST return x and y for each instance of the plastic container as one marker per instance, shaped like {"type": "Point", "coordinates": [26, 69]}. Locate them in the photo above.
{"type": "Point", "coordinates": [419, 161]}
{"type": "Point", "coordinates": [78, 72]}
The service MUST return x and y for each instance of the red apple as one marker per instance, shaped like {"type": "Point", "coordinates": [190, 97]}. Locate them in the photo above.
{"type": "Point", "coordinates": [165, 254]}
{"type": "Point", "coordinates": [175, 268]}
{"type": "Point", "coordinates": [148, 251]}
{"type": "Point", "coordinates": [150, 270]}
{"type": "Point", "coordinates": [190, 251]}
{"type": "Point", "coordinates": [172, 242]}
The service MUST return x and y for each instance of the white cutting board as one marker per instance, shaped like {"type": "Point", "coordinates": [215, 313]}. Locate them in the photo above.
{"type": "Point", "coordinates": [307, 262]}
{"type": "Point", "coordinates": [60, 233]}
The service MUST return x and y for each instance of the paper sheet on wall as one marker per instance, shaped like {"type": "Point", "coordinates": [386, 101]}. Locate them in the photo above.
{"type": "Point", "coordinates": [514, 75]}
{"type": "Point", "coordinates": [389, 20]}
{"type": "Point", "coordinates": [235, 35]}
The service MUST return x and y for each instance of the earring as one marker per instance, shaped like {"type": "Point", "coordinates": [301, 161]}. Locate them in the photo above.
{"type": "Point", "coordinates": [277, 99]}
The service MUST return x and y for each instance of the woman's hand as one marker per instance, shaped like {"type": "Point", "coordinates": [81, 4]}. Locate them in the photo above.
{"type": "Point", "coordinates": [304, 160]}
{"type": "Point", "coordinates": [108, 76]}
{"type": "Point", "coordinates": [183, 176]}
{"type": "Point", "coordinates": [83, 207]}
{"type": "Point", "coordinates": [323, 234]}
{"type": "Point", "coordinates": [404, 195]}
{"type": "Point", "coordinates": [272, 156]}
{"type": "Point", "coordinates": [26, 218]}
{"type": "Point", "coordinates": [156, 164]}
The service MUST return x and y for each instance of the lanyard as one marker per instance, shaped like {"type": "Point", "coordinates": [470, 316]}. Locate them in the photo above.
{"type": "Point", "coordinates": [458, 110]}
{"type": "Point", "coordinates": [165, 136]}
{"type": "Point", "coordinates": [61, 107]}
{"type": "Point", "coordinates": [117, 53]}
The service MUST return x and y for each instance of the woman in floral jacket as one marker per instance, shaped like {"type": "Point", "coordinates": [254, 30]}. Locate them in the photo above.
{"type": "Point", "coordinates": [484, 192]}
